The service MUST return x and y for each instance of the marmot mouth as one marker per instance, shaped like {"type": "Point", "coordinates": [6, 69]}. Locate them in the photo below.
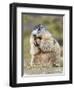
{"type": "Point", "coordinates": [36, 44]}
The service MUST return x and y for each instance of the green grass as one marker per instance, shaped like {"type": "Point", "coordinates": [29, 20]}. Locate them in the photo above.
{"type": "Point", "coordinates": [26, 51]}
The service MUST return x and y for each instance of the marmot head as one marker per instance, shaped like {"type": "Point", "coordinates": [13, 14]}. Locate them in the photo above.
{"type": "Point", "coordinates": [40, 32]}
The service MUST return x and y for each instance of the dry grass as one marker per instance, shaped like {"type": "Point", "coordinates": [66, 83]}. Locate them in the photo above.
{"type": "Point", "coordinates": [39, 69]}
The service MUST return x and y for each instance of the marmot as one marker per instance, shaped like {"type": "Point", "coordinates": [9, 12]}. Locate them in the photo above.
{"type": "Point", "coordinates": [44, 48]}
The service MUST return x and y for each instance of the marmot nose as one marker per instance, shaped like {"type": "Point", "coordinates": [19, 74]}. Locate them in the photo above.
{"type": "Point", "coordinates": [34, 37]}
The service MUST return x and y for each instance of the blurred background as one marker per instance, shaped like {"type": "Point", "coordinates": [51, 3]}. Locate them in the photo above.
{"type": "Point", "coordinates": [54, 24]}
